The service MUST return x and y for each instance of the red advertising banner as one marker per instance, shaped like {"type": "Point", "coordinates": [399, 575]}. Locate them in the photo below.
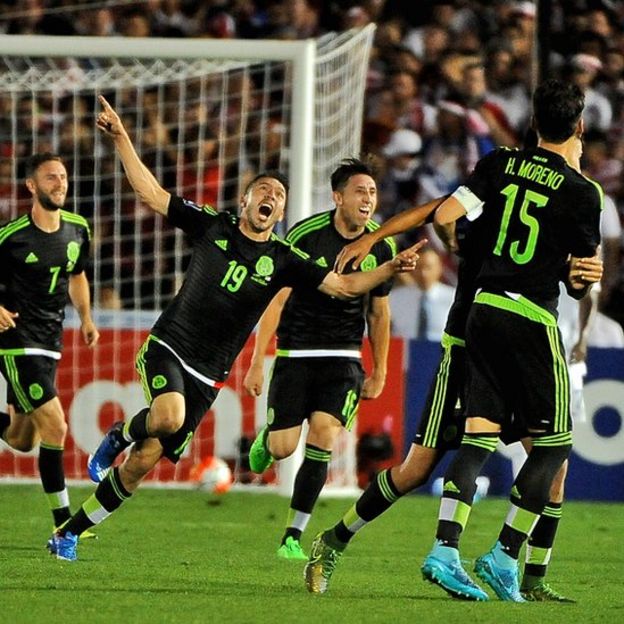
{"type": "Point", "coordinates": [98, 387]}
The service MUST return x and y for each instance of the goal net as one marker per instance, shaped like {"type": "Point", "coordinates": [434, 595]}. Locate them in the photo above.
{"type": "Point", "coordinates": [205, 116]}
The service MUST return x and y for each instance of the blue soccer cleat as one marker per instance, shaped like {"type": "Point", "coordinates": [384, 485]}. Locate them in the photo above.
{"type": "Point", "coordinates": [110, 447]}
{"type": "Point", "coordinates": [504, 581]}
{"type": "Point", "coordinates": [63, 546]}
{"type": "Point", "coordinates": [443, 567]}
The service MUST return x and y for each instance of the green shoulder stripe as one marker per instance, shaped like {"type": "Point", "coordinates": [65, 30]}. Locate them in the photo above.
{"type": "Point", "coordinates": [308, 225]}
{"type": "Point", "coordinates": [210, 210]}
{"type": "Point", "coordinates": [72, 217]}
{"type": "Point", "coordinates": [298, 252]}
{"type": "Point", "coordinates": [372, 226]}
{"type": "Point", "coordinates": [599, 189]}
{"type": "Point", "coordinates": [12, 227]}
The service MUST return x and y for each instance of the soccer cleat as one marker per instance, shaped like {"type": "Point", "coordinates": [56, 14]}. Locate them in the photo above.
{"type": "Point", "coordinates": [452, 578]}
{"type": "Point", "coordinates": [85, 535]}
{"type": "Point", "coordinates": [259, 457]}
{"type": "Point", "coordinates": [503, 581]}
{"type": "Point", "coordinates": [63, 546]}
{"type": "Point", "coordinates": [543, 592]}
{"type": "Point", "coordinates": [111, 445]}
{"type": "Point", "coordinates": [291, 549]}
{"type": "Point", "coordinates": [321, 564]}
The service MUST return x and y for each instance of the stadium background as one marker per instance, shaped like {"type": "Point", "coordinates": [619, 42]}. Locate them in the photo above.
{"type": "Point", "coordinates": [421, 78]}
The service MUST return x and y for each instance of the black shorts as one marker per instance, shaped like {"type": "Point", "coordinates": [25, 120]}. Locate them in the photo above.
{"type": "Point", "coordinates": [161, 372]}
{"type": "Point", "coordinates": [30, 380]}
{"type": "Point", "coordinates": [300, 386]}
{"type": "Point", "coordinates": [516, 366]}
{"type": "Point", "coordinates": [443, 420]}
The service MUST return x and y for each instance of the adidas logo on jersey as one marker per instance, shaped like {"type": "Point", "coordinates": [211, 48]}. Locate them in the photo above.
{"type": "Point", "coordinates": [222, 244]}
{"type": "Point", "coordinates": [31, 258]}
{"type": "Point", "coordinates": [321, 262]}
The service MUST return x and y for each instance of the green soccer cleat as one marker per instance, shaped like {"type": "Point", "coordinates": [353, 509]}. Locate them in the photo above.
{"type": "Point", "coordinates": [543, 592]}
{"type": "Point", "coordinates": [259, 457]}
{"type": "Point", "coordinates": [291, 549]}
{"type": "Point", "coordinates": [320, 567]}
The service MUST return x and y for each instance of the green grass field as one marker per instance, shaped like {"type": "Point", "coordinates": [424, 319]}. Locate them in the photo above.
{"type": "Point", "coordinates": [186, 557]}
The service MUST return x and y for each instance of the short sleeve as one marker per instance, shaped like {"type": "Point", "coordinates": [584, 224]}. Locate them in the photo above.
{"type": "Point", "coordinates": [301, 272]}
{"type": "Point", "coordinates": [189, 216]}
{"type": "Point", "coordinates": [83, 257]}
{"type": "Point", "coordinates": [584, 220]}
{"type": "Point", "coordinates": [384, 250]}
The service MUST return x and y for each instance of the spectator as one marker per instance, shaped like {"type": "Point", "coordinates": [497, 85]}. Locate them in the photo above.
{"type": "Point", "coordinates": [419, 309]}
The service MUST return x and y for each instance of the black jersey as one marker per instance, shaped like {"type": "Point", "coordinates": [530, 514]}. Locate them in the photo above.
{"type": "Point", "coordinates": [228, 284]}
{"type": "Point", "coordinates": [536, 211]}
{"type": "Point", "coordinates": [35, 267]}
{"type": "Point", "coordinates": [312, 320]}
{"type": "Point", "coordinates": [470, 254]}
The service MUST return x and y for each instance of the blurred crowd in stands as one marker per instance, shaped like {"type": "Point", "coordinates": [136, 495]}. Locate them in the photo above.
{"type": "Point", "coordinates": [448, 81]}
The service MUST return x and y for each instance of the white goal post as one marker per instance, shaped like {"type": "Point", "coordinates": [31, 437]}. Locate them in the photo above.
{"type": "Point", "coordinates": [235, 106]}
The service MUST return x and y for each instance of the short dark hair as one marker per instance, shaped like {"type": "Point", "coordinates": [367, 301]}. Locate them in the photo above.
{"type": "Point", "coordinates": [347, 169]}
{"type": "Point", "coordinates": [557, 108]}
{"type": "Point", "coordinates": [36, 160]}
{"type": "Point", "coordinates": [276, 175]}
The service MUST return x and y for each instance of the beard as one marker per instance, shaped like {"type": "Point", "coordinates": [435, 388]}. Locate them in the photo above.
{"type": "Point", "coordinates": [47, 203]}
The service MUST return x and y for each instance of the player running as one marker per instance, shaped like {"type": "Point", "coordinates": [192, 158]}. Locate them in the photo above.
{"type": "Point", "coordinates": [43, 255]}
{"type": "Point", "coordinates": [237, 267]}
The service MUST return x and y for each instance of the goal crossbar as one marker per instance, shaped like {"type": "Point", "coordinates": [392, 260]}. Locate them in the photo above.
{"type": "Point", "coordinates": [301, 53]}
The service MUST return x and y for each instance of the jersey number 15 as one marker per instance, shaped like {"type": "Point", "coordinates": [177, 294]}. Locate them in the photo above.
{"type": "Point", "coordinates": [529, 199]}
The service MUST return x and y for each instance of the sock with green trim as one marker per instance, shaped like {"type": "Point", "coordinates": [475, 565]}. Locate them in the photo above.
{"type": "Point", "coordinates": [378, 497]}
{"type": "Point", "coordinates": [460, 485]}
{"type": "Point", "coordinates": [136, 428]}
{"type": "Point", "coordinates": [108, 497]}
{"type": "Point", "coordinates": [539, 547]}
{"type": "Point", "coordinates": [309, 482]}
{"type": "Point", "coordinates": [531, 488]}
{"type": "Point", "coordinates": [52, 478]}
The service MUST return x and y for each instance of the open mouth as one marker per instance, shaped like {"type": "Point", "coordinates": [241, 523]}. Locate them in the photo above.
{"type": "Point", "coordinates": [365, 211]}
{"type": "Point", "coordinates": [265, 210]}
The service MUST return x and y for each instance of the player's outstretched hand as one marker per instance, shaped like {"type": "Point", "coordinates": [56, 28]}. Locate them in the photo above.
{"type": "Point", "coordinates": [108, 120]}
{"type": "Point", "coordinates": [406, 260]}
{"type": "Point", "coordinates": [7, 319]}
{"type": "Point", "coordinates": [254, 380]}
{"type": "Point", "coordinates": [354, 253]}
{"type": "Point", "coordinates": [585, 271]}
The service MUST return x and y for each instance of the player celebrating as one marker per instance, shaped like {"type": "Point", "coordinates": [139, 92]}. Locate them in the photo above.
{"type": "Point", "coordinates": [318, 347]}
{"type": "Point", "coordinates": [442, 423]}
{"type": "Point", "coordinates": [237, 266]}
{"type": "Point", "coordinates": [42, 265]}
{"type": "Point", "coordinates": [535, 210]}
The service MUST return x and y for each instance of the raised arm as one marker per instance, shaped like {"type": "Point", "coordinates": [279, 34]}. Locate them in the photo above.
{"type": "Point", "coordinates": [145, 185]}
{"type": "Point", "coordinates": [408, 219]}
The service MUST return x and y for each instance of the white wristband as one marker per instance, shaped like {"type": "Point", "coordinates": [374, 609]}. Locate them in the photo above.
{"type": "Point", "coordinates": [471, 203]}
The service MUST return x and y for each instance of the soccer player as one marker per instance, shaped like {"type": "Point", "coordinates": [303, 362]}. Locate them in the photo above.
{"type": "Point", "coordinates": [237, 267]}
{"type": "Point", "coordinates": [42, 266]}
{"type": "Point", "coordinates": [535, 211]}
{"type": "Point", "coordinates": [442, 421]}
{"type": "Point", "coordinates": [317, 374]}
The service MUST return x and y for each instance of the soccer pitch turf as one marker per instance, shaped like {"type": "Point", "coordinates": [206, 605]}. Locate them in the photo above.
{"type": "Point", "coordinates": [186, 556]}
